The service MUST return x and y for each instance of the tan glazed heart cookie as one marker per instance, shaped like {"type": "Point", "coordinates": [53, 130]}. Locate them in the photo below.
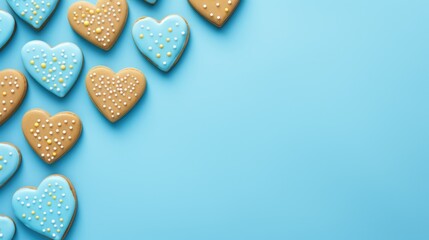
{"type": "Point", "coordinates": [115, 94]}
{"type": "Point", "coordinates": [51, 137]}
{"type": "Point", "coordinates": [215, 11]}
{"type": "Point", "coordinates": [13, 87]}
{"type": "Point", "coordinates": [100, 24]}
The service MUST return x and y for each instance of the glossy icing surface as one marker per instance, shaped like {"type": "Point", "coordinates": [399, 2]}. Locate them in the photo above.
{"type": "Point", "coordinates": [49, 209]}
{"type": "Point", "coordinates": [7, 228]}
{"type": "Point", "coordinates": [33, 12]}
{"type": "Point", "coordinates": [162, 43]}
{"type": "Point", "coordinates": [151, 1]}
{"type": "Point", "coordinates": [56, 69]}
{"type": "Point", "coordinates": [7, 27]}
{"type": "Point", "coordinates": [10, 160]}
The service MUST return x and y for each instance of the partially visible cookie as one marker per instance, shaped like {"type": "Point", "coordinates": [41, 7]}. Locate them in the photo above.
{"type": "Point", "coordinates": [101, 24]}
{"type": "Point", "coordinates": [115, 94]}
{"type": "Point", "coordinates": [162, 43]}
{"type": "Point", "coordinates": [34, 12]}
{"type": "Point", "coordinates": [49, 209]}
{"type": "Point", "coordinates": [151, 1]}
{"type": "Point", "coordinates": [13, 88]}
{"type": "Point", "coordinates": [51, 136]}
{"type": "Point", "coordinates": [7, 28]}
{"type": "Point", "coordinates": [215, 11]}
{"type": "Point", "coordinates": [55, 68]}
{"type": "Point", "coordinates": [10, 160]}
{"type": "Point", "coordinates": [7, 228]}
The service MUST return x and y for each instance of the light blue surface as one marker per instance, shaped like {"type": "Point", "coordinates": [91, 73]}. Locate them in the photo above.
{"type": "Point", "coordinates": [297, 120]}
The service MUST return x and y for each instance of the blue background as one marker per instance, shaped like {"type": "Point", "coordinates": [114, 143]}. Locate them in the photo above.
{"type": "Point", "coordinates": [300, 119]}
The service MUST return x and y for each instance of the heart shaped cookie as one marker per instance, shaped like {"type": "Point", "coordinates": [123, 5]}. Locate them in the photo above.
{"type": "Point", "coordinates": [7, 228]}
{"type": "Point", "coordinates": [57, 68]}
{"type": "Point", "coordinates": [7, 28]}
{"type": "Point", "coordinates": [34, 12]}
{"type": "Point", "coordinates": [13, 87]}
{"type": "Point", "coordinates": [162, 43]}
{"type": "Point", "coordinates": [51, 137]}
{"type": "Point", "coordinates": [215, 11]}
{"type": "Point", "coordinates": [115, 94]}
{"type": "Point", "coordinates": [48, 210]}
{"type": "Point", "coordinates": [10, 160]}
{"type": "Point", "coordinates": [101, 24]}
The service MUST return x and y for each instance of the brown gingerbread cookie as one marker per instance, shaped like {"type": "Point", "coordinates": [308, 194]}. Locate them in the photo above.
{"type": "Point", "coordinates": [13, 88]}
{"type": "Point", "coordinates": [215, 11]}
{"type": "Point", "coordinates": [51, 136]}
{"type": "Point", "coordinates": [100, 24]}
{"type": "Point", "coordinates": [115, 94]}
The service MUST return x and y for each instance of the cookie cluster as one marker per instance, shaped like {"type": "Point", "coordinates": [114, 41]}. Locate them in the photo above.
{"type": "Point", "coordinates": [50, 208]}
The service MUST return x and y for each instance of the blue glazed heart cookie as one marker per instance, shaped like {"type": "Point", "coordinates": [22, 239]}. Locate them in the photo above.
{"type": "Point", "coordinates": [7, 28]}
{"type": "Point", "coordinates": [10, 160]}
{"type": "Point", "coordinates": [162, 43]}
{"type": "Point", "coordinates": [7, 228]}
{"type": "Point", "coordinates": [34, 12]}
{"type": "Point", "coordinates": [56, 69]}
{"type": "Point", "coordinates": [49, 209]}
